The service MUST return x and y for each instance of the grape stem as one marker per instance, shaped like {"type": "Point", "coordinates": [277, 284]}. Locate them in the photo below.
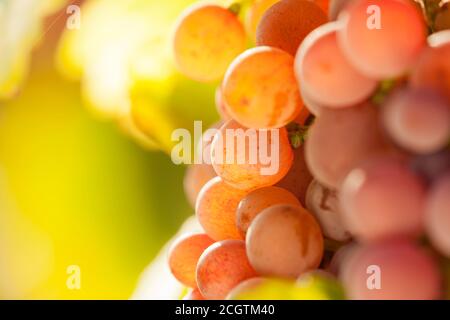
{"type": "Point", "coordinates": [298, 133]}
{"type": "Point", "coordinates": [430, 9]}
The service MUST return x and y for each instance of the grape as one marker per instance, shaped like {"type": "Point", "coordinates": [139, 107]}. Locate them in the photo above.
{"type": "Point", "coordinates": [323, 203]}
{"type": "Point", "coordinates": [221, 106]}
{"type": "Point", "coordinates": [284, 241]}
{"type": "Point", "coordinates": [323, 4]}
{"type": "Point", "coordinates": [258, 200]}
{"type": "Point", "coordinates": [433, 70]}
{"type": "Point", "coordinates": [260, 90]}
{"type": "Point", "coordinates": [287, 23]}
{"type": "Point", "coordinates": [246, 166]}
{"type": "Point", "coordinates": [216, 209]}
{"type": "Point", "coordinates": [222, 267]}
{"type": "Point", "coordinates": [184, 255]}
{"type": "Point", "coordinates": [335, 8]}
{"type": "Point", "coordinates": [431, 167]}
{"type": "Point", "coordinates": [298, 178]}
{"type": "Point", "coordinates": [244, 287]}
{"type": "Point", "coordinates": [194, 294]}
{"type": "Point", "coordinates": [437, 216]}
{"type": "Point", "coordinates": [418, 120]}
{"type": "Point", "coordinates": [324, 73]}
{"type": "Point", "coordinates": [406, 272]}
{"type": "Point", "coordinates": [341, 139]}
{"type": "Point", "coordinates": [439, 38]}
{"type": "Point", "coordinates": [255, 13]}
{"type": "Point", "coordinates": [382, 43]}
{"type": "Point", "coordinates": [197, 175]}
{"type": "Point", "coordinates": [382, 198]}
{"type": "Point", "coordinates": [207, 38]}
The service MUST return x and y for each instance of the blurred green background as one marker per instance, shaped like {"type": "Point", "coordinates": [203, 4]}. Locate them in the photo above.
{"type": "Point", "coordinates": [79, 185]}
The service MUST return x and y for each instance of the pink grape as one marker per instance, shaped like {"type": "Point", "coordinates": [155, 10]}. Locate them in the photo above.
{"type": "Point", "coordinates": [284, 241]}
{"type": "Point", "coordinates": [405, 271]}
{"type": "Point", "coordinates": [341, 139]}
{"type": "Point", "coordinates": [418, 120]}
{"type": "Point", "coordinates": [437, 216]}
{"type": "Point", "coordinates": [382, 39]}
{"type": "Point", "coordinates": [383, 198]}
{"type": "Point", "coordinates": [222, 267]}
{"type": "Point", "coordinates": [324, 73]}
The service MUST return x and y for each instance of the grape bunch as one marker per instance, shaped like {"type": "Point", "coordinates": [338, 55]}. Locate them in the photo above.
{"type": "Point", "coordinates": [359, 94]}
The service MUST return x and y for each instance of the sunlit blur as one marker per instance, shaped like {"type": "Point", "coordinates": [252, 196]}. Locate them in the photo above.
{"type": "Point", "coordinates": [85, 121]}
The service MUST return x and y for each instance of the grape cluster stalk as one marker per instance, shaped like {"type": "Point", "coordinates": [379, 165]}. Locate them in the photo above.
{"type": "Point", "coordinates": [359, 92]}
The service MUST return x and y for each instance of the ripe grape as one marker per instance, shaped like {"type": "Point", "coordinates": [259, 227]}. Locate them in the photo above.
{"type": "Point", "coordinates": [197, 175]}
{"type": "Point", "coordinates": [194, 294]}
{"type": "Point", "coordinates": [258, 200]}
{"type": "Point", "coordinates": [342, 257]}
{"type": "Point", "coordinates": [184, 255]}
{"type": "Point", "coordinates": [324, 73]}
{"type": "Point", "coordinates": [323, 4]}
{"type": "Point", "coordinates": [341, 139]}
{"type": "Point", "coordinates": [284, 241]}
{"type": "Point", "coordinates": [243, 287]}
{"type": "Point", "coordinates": [298, 178]}
{"type": "Point", "coordinates": [216, 209]}
{"type": "Point", "coordinates": [323, 203]}
{"type": "Point", "coordinates": [222, 267]}
{"type": "Point", "coordinates": [255, 13]}
{"type": "Point", "coordinates": [207, 38]}
{"type": "Point", "coordinates": [287, 23]}
{"type": "Point", "coordinates": [260, 90]}
{"type": "Point", "coordinates": [382, 40]}
{"type": "Point", "coordinates": [418, 120]}
{"type": "Point", "coordinates": [248, 159]}
{"type": "Point", "coordinates": [404, 271]}
{"type": "Point", "coordinates": [313, 106]}
{"type": "Point", "coordinates": [433, 70]}
{"type": "Point", "coordinates": [437, 216]}
{"type": "Point", "coordinates": [382, 198]}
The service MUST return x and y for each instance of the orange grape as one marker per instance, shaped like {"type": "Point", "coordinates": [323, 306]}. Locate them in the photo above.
{"type": "Point", "coordinates": [184, 255]}
{"type": "Point", "coordinates": [298, 178]}
{"type": "Point", "coordinates": [439, 38]}
{"type": "Point", "coordinates": [222, 267]}
{"type": "Point", "coordinates": [221, 106]}
{"type": "Point", "coordinates": [207, 38]}
{"type": "Point", "coordinates": [284, 241]}
{"type": "Point", "coordinates": [248, 159]}
{"type": "Point", "coordinates": [287, 23]}
{"type": "Point", "coordinates": [433, 70]}
{"type": "Point", "coordinates": [216, 209]}
{"type": "Point", "coordinates": [324, 73]}
{"type": "Point", "coordinates": [260, 90]}
{"type": "Point", "coordinates": [335, 8]}
{"type": "Point", "coordinates": [255, 13]}
{"type": "Point", "coordinates": [442, 20]}
{"type": "Point", "coordinates": [258, 200]}
{"type": "Point", "coordinates": [196, 176]}
{"type": "Point", "coordinates": [382, 39]}
{"type": "Point", "coordinates": [323, 4]}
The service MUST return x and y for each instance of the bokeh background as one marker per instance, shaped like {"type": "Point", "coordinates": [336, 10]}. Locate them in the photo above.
{"type": "Point", "coordinates": [81, 183]}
